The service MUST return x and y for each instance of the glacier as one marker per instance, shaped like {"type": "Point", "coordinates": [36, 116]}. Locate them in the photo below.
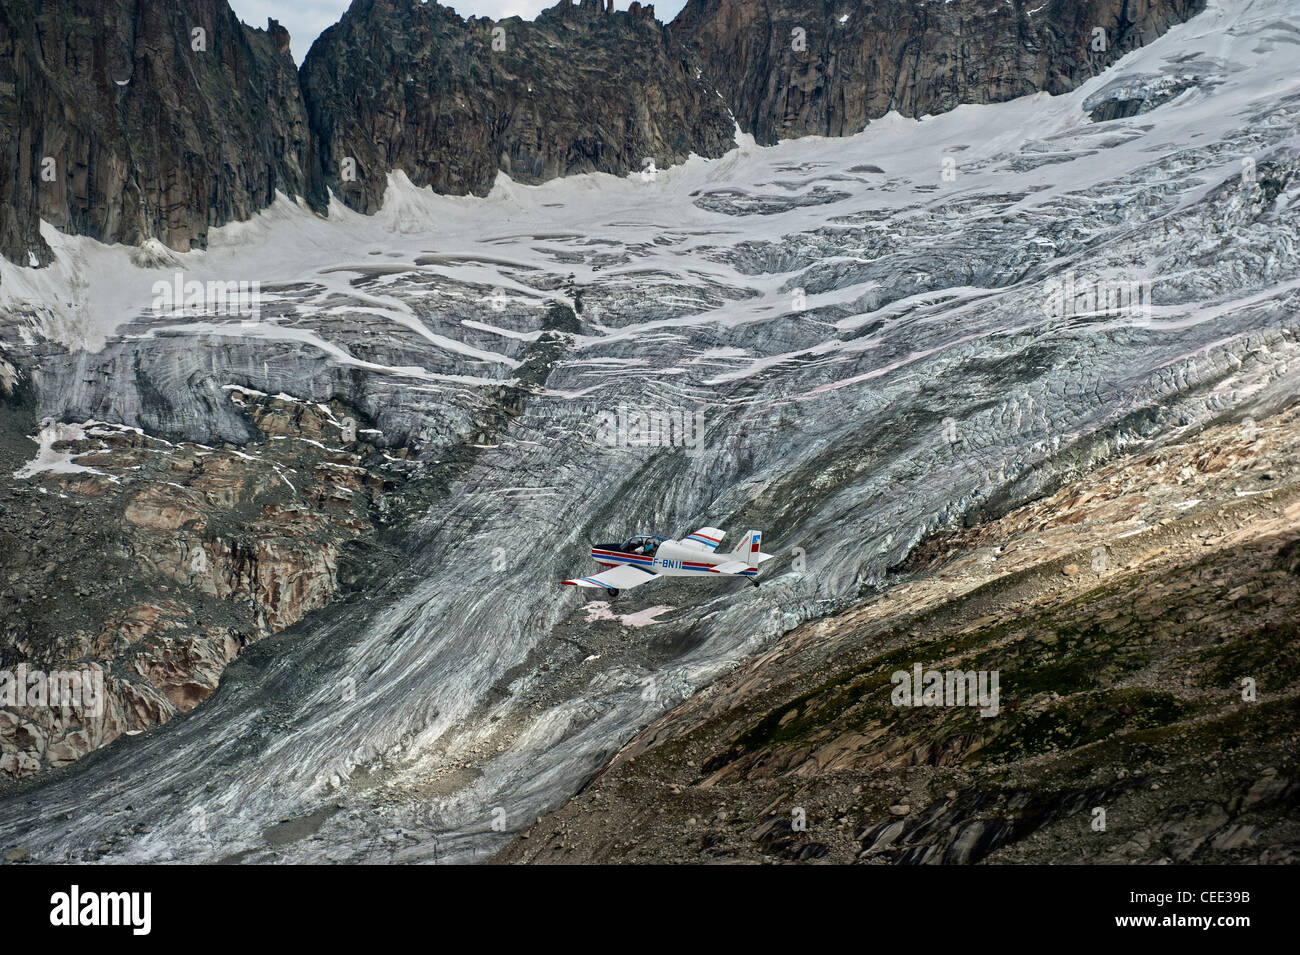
{"type": "Point", "coordinates": [872, 327]}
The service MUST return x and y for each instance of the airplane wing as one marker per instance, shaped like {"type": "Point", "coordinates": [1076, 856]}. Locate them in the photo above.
{"type": "Point", "coordinates": [706, 538]}
{"type": "Point", "coordinates": [740, 566]}
{"type": "Point", "coordinates": [623, 577]}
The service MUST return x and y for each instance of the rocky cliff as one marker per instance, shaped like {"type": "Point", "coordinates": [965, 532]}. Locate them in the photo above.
{"type": "Point", "coordinates": [450, 101]}
{"type": "Point", "coordinates": [155, 564]}
{"type": "Point", "coordinates": [127, 121]}
{"type": "Point", "coordinates": [130, 121]}
{"type": "Point", "coordinates": [792, 68]}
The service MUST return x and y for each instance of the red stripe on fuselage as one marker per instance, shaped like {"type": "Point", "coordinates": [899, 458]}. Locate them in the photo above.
{"type": "Point", "coordinates": [597, 554]}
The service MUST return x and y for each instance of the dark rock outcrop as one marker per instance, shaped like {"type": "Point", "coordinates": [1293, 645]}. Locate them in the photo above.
{"type": "Point", "coordinates": [116, 126]}
{"type": "Point", "coordinates": [449, 101]}
{"type": "Point", "coordinates": [157, 564]}
{"type": "Point", "coordinates": [793, 68]}
{"type": "Point", "coordinates": [119, 122]}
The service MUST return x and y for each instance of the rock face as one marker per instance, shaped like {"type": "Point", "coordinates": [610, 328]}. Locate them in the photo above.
{"type": "Point", "coordinates": [397, 85]}
{"type": "Point", "coordinates": [156, 564]}
{"type": "Point", "coordinates": [120, 122]}
{"type": "Point", "coordinates": [792, 68]}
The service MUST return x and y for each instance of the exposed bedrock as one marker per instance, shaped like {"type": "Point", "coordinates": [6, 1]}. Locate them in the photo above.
{"type": "Point", "coordinates": [827, 67]}
{"type": "Point", "coordinates": [130, 121]}
{"type": "Point", "coordinates": [451, 101]}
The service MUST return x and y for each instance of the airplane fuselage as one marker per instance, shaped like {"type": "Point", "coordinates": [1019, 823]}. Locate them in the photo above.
{"type": "Point", "coordinates": [669, 560]}
{"type": "Point", "coordinates": [644, 557]}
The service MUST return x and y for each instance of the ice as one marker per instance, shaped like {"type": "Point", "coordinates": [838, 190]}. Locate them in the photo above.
{"type": "Point", "coordinates": [921, 381]}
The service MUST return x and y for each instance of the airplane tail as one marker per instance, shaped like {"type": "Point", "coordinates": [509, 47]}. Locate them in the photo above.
{"type": "Point", "coordinates": [747, 550]}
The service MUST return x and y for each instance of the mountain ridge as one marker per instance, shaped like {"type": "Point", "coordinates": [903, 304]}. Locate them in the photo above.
{"type": "Point", "coordinates": [828, 67]}
{"type": "Point", "coordinates": [202, 137]}
{"type": "Point", "coordinates": [579, 89]}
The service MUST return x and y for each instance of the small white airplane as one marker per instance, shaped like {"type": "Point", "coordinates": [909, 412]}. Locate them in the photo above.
{"type": "Point", "coordinates": [641, 559]}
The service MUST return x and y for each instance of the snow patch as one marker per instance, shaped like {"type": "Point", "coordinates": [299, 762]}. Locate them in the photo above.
{"type": "Point", "coordinates": [52, 461]}
{"type": "Point", "coordinates": [601, 610]}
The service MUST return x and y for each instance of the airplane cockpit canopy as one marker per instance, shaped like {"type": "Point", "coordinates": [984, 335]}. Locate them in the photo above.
{"type": "Point", "coordinates": [642, 544]}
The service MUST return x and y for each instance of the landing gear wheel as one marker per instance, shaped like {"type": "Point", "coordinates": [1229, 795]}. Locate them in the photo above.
{"type": "Point", "coordinates": [613, 592]}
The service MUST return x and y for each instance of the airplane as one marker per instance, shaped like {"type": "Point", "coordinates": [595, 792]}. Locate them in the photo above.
{"type": "Point", "coordinates": [641, 559]}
